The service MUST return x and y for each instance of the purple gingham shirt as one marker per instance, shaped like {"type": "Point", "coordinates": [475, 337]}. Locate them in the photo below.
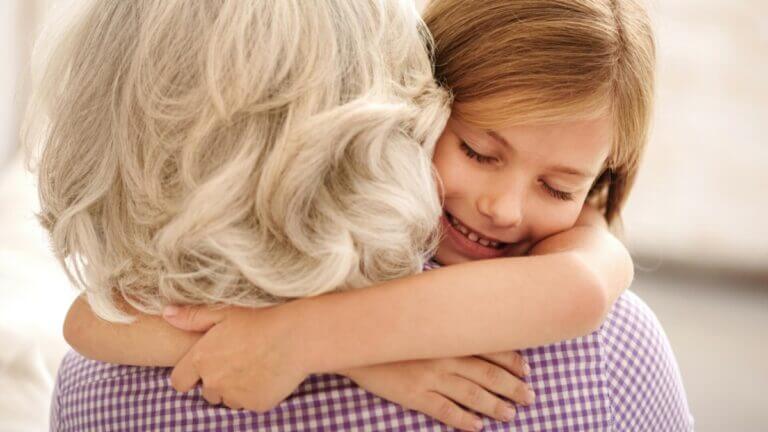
{"type": "Point", "coordinates": [623, 377]}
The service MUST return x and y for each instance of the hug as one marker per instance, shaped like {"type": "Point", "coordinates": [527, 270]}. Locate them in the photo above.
{"type": "Point", "coordinates": [340, 215]}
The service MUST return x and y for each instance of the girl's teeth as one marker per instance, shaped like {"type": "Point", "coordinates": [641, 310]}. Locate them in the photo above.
{"type": "Point", "coordinates": [471, 235]}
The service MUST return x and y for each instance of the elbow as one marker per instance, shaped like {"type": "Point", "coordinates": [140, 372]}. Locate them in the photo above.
{"type": "Point", "coordinates": [597, 289]}
{"type": "Point", "coordinates": [627, 270]}
{"type": "Point", "coordinates": [75, 326]}
{"type": "Point", "coordinates": [72, 325]}
{"type": "Point", "coordinates": [597, 308]}
{"type": "Point", "coordinates": [593, 300]}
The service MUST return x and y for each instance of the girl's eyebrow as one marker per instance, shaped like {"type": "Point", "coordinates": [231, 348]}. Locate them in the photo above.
{"type": "Point", "coordinates": [557, 168]}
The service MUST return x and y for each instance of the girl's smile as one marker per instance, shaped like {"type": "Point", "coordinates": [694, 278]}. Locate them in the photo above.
{"type": "Point", "coordinates": [473, 243]}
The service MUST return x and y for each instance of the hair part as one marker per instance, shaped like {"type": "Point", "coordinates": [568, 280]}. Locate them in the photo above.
{"type": "Point", "coordinates": [543, 61]}
{"type": "Point", "coordinates": [236, 152]}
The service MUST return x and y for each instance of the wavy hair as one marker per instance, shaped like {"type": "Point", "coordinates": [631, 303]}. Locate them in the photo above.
{"type": "Point", "coordinates": [236, 152]}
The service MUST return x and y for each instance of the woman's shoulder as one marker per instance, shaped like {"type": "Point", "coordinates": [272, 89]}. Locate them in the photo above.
{"type": "Point", "coordinates": [632, 328]}
{"type": "Point", "coordinates": [646, 387]}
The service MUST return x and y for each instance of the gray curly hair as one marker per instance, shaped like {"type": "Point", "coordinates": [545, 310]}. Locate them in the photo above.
{"type": "Point", "coordinates": [236, 152]}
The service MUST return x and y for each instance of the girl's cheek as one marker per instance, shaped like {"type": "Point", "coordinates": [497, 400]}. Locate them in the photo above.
{"type": "Point", "coordinates": [453, 184]}
{"type": "Point", "coordinates": [549, 220]}
{"type": "Point", "coordinates": [453, 173]}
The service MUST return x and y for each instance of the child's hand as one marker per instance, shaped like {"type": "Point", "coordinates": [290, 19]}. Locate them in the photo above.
{"type": "Point", "coordinates": [434, 387]}
{"type": "Point", "coordinates": [247, 358]}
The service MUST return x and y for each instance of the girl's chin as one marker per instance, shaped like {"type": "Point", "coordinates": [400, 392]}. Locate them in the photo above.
{"type": "Point", "coordinates": [446, 256]}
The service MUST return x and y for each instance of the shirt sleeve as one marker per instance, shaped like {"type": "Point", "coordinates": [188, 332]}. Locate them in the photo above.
{"type": "Point", "coordinates": [647, 392]}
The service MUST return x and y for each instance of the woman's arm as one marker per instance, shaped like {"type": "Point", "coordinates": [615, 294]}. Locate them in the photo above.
{"type": "Point", "coordinates": [148, 341]}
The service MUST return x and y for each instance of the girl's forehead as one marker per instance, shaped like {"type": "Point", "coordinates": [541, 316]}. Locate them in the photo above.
{"type": "Point", "coordinates": [598, 126]}
{"type": "Point", "coordinates": [502, 111]}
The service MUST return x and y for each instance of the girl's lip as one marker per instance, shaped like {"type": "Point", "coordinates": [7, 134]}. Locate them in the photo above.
{"type": "Point", "coordinates": [469, 248]}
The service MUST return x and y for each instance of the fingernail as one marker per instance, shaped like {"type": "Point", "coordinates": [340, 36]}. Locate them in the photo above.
{"type": "Point", "coordinates": [526, 369]}
{"type": "Point", "coordinates": [508, 412]}
{"type": "Point", "coordinates": [478, 425]}
{"type": "Point", "coordinates": [170, 311]}
{"type": "Point", "coordinates": [530, 396]}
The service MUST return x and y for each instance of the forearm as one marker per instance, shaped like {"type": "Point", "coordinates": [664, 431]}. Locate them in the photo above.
{"type": "Point", "coordinates": [464, 309]}
{"type": "Point", "coordinates": [564, 290]}
{"type": "Point", "coordinates": [149, 341]}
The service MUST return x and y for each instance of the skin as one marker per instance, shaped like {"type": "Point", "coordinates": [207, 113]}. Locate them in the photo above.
{"type": "Point", "coordinates": [563, 292]}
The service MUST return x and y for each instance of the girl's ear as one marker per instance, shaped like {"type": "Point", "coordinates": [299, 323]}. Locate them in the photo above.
{"type": "Point", "coordinates": [598, 193]}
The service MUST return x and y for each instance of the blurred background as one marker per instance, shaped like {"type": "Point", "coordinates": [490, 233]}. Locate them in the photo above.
{"type": "Point", "coordinates": [695, 223]}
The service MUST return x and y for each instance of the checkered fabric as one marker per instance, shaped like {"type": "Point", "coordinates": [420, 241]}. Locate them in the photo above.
{"type": "Point", "coordinates": [623, 377]}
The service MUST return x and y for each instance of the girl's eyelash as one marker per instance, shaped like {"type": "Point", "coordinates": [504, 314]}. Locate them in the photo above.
{"type": "Point", "coordinates": [472, 154]}
{"type": "Point", "coordinates": [564, 196]}
{"type": "Point", "coordinates": [475, 155]}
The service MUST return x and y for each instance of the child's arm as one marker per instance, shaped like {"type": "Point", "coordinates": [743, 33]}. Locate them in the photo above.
{"type": "Point", "coordinates": [492, 305]}
{"type": "Point", "coordinates": [562, 292]}
{"type": "Point", "coordinates": [148, 341]}
{"type": "Point", "coordinates": [609, 259]}
{"type": "Point", "coordinates": [429, 386]}
{"type": "Point", "coordinates": [557, 296]}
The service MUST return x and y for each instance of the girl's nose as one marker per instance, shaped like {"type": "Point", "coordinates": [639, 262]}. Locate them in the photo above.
{"type": "Point", "coordinates": [504, 210]}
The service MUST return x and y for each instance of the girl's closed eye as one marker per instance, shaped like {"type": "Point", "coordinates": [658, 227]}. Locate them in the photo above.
{"type": "Point", "coordinates": [556, 193]}
{"type": "Point", "coordinates": [483, 159]}
{"type": "Point", "coordinates": [472, 154]}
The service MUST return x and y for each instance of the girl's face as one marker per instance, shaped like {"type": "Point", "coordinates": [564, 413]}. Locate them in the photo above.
{"type": "Point", "coordinates": [504, 190]}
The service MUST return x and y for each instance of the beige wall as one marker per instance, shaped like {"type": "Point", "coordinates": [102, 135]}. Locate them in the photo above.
{"type": "Point", "coordinates": [702, 193]}
{"type": "Point", "coordinates": [19, 21]}
{"type": "Point", "coordinates": [9, 58]}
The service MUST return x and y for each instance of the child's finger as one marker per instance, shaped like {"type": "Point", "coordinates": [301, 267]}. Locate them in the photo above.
{"type": "Point", "coordinates": [212, 396]}
{"type": "Point", "coordinates": [185, 376]}
{"type": "Point", "coordinates": [496, 379]}
{"type": "Point", "coordinates": [446, 411]}
{"type": "Point", "coordinates": [192, 318]}
{"type": "Point", "coordinates": [231, 404]}
{"type": "Point", "coordinates": [512, 361]}
{"type": "Point", "coordinates": [475, 397]}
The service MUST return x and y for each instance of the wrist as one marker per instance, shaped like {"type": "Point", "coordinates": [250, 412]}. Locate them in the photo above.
{"type": "Point", "coordinates": [304, 328]}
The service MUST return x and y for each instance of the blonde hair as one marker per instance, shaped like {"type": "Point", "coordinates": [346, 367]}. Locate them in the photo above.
{"type": "Point", "coordinates": [237, 152]}
{"type": "Point", "coordinates": [527, 61]}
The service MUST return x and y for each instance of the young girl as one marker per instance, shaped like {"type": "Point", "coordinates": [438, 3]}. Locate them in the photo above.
{"type": "Point", "coordinates": [550, 112]}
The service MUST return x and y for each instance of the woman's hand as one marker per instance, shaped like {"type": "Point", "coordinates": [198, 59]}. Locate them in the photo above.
{"type": "Point", "coordinates": [435, 387]}
{"type": "Point", "coordinates": [247, 358]}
